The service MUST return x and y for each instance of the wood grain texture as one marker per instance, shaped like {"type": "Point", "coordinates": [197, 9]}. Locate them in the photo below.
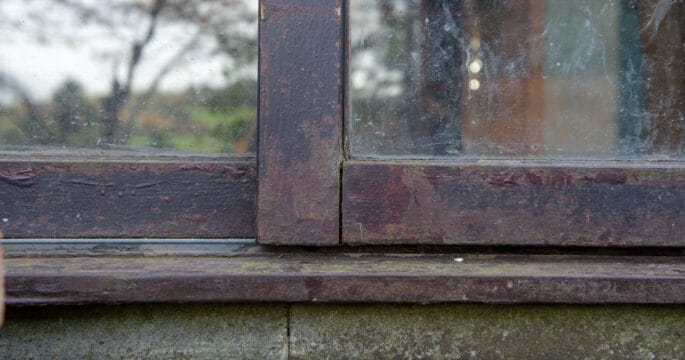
{"type": "Point", "coordinates": [134, 198]}
{"type": "Point", "coordinates": [514, 203]}
{"type": "Point", "coordinates": [341, 278]}
{"type": "Point", "coordinates": [300, 121]}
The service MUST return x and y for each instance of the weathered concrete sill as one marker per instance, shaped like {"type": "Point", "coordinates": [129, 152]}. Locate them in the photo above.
{"type": "Point", "coordinates": [457, 331]}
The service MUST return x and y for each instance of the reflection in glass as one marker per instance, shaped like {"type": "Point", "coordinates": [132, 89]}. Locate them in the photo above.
{"type": "Point", "coordinates": [530, 78]}
{"type": "Point", "coordinates": [124, 74]}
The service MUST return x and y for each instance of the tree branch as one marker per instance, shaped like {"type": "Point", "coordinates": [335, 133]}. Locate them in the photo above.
{"type": "Point", "coordinates": [154, 85]}
{"type": "Point", "coordinates": [139, 46]}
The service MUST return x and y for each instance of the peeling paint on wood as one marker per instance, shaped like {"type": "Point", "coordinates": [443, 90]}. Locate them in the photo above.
{"type": "Point", "coordinates": [128, 198]}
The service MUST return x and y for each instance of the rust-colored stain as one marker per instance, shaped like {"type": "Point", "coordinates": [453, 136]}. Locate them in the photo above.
{"type": "Point", "coordinates": [513, 205]}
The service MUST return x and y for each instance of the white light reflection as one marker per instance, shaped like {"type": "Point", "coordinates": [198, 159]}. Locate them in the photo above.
{"type": "Point", "coordinates": [474, 84]}
{"type": "Point", "coordinates": [476, 66]}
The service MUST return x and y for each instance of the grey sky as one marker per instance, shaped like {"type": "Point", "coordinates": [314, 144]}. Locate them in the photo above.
{"type": "Point", "coordinates": [90, 52]}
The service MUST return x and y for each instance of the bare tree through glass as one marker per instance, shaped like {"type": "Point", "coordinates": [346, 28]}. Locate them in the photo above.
{"type": "Point", "coordinates": [123, 74]}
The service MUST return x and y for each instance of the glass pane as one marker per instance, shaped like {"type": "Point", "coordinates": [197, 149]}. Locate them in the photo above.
{"type": "Point", "coordinates": [176, 75]}
{"type": "Point", "coordinates": [526, 78]}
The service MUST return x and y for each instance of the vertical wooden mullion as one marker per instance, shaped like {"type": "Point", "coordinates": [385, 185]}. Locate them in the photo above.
{"type": "Point", "coordinates": [300, 121]}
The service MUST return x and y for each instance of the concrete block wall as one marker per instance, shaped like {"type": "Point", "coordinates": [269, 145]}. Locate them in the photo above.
{"type": "Point", "coordinates": [344, 332]}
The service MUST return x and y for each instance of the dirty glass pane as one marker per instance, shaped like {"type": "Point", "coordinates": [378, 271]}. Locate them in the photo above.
{"type": "Point", "coordinates": [525, 79]}
{"type": "Point", "coordinates": [149, 75]}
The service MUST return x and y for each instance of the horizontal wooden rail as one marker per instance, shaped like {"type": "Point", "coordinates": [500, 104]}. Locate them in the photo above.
{"type": "Point", "coordinates": [127, 196]}
{"type": "Point", "coordinates": [575, 203]}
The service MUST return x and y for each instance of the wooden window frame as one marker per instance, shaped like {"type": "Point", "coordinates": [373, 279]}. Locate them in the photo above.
{"type": "Point", "coordinates": [310, 193]}
{"type": "Point", "coordinates": [408, 202]}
